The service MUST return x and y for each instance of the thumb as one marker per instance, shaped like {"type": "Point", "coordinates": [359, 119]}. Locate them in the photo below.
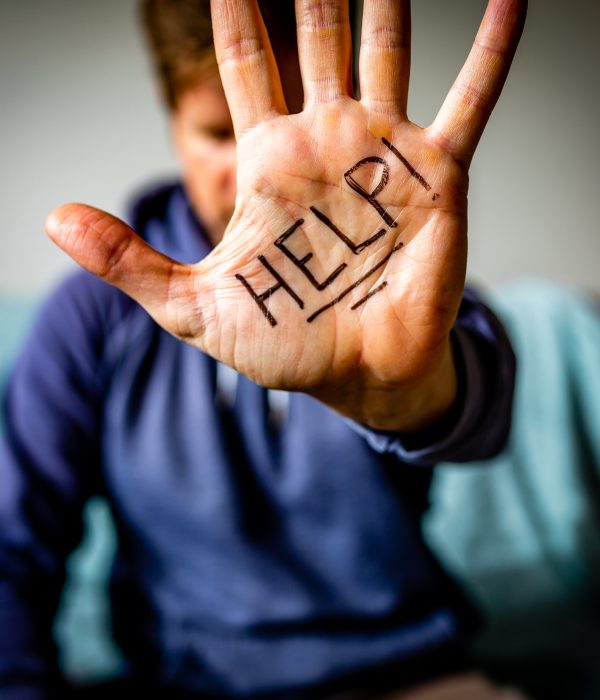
{"type": "Point", "coordinates": [108, 248]}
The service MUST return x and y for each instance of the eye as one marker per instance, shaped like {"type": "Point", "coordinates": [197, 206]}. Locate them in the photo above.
{"type": "Point", "coordinates": [216, 133]}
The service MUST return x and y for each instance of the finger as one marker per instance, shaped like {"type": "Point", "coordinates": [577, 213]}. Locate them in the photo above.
{"type": "Point", "coordinates": [325, 49]}
{"type": "Point", "coordinates": [467, 108]}
{"type": "Point", "coordinates": [384, 66]}
{"type": "Point", "coordinates": [246, 63]}
{"type": "Point", "coordinates": [108, 248]}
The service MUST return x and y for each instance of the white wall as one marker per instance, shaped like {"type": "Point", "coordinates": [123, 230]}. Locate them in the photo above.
{"type": "Point", "coordinates": [80, 122]}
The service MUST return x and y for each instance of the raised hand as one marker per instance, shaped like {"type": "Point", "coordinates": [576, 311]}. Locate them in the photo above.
{"type": "Point", "coordinates": [342, 269]}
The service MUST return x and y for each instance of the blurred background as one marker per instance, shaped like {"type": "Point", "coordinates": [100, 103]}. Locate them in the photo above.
{"type": "Point", "coordinates": [81, 121]}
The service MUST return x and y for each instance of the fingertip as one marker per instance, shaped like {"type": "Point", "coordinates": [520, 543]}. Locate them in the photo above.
{"type": "Point", "coordinates": [502, 26]}
{"type": "Point", "coordinates": [62, 220]}
{"type": "Point", "coordinates": [54, 221]}
{"type": "Point", "coordinates": [95, 239]}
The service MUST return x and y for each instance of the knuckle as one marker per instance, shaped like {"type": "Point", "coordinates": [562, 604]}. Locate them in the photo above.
{"type": "Point", "coordinates": [382, 37]}
{"type": "Point", "coordinates": [115, 254]}
{"type": "Point", "coordinates": [472, 96]}
{"type": "Point", "coordinates": [183, 305]}
{"type": "Point", "coordinates": [385, 104]}
{"type": "Point", "coordinates": [240, 49]}
{"type": "Point", "coordinates": [491, 45]}
{"type": "Point", "coordinates": [316, 15]}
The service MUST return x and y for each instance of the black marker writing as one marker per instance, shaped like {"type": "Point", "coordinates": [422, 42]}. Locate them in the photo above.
{"type": "Point", "coordinates": [301, 262]}
{"type": "Point", "coordinates": [359, 281]}
{"type": "Point", "coordinates": [356, 248]}
{"type": "Point", "coordinates": [407, 165]}
{"type": "Point", "coordinates": [360, 302]}
{"type": "Point", "coordinates": [260, 298]}
{"type": "Point", "coordinates": [371, 196]}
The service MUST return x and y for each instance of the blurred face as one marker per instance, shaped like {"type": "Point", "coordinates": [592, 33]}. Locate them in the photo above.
{"type": "Point", "coordinates": [204, 141]}
{"type": "Point", "coordinates": [203, 138]}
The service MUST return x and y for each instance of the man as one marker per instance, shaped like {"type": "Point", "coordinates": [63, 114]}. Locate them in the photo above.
{"type": "Point", "coordinates": [266, 550]}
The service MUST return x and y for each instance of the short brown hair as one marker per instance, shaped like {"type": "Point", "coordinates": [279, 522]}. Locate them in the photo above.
{"type": "Point", "coordinates": [179, 35]}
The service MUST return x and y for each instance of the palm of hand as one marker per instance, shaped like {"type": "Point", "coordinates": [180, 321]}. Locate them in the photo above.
{"type": "Point", "coordinates": [315, 281]}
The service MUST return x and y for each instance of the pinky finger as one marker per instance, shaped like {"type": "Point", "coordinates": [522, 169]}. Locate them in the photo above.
{"type": "Point", "coordinates": [469, 104]}
{"type": "Point", "coordinates": [111, 250]}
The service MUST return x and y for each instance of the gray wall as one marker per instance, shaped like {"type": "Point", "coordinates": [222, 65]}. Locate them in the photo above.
{"type": "Point", "coordinates": [80, 122]}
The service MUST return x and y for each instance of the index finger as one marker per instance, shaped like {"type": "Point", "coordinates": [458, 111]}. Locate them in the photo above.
{"type": "Point", "coordinates": [246, 63]}
{"type": "Point", "coordinates": [469, 104]}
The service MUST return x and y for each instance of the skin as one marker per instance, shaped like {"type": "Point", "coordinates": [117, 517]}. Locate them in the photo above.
{"type": "Point", "coordinates": [389, 363]}
{"type": "Point", "coordinates": [203, 137]}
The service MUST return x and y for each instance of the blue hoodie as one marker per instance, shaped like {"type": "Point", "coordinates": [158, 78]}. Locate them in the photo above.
{"type": "Point", "coordinates": [266, 545]}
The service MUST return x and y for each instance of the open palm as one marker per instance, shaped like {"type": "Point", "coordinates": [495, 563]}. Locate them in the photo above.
{"type": "Point", "coordinates": [342, 268]}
